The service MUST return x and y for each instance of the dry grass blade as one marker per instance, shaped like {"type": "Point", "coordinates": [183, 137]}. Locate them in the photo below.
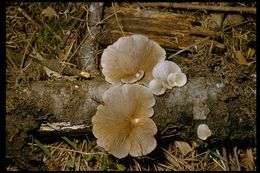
{"type": "Point", "coordinates": [71, 150]}
{"type": "Point", "coordinates": [27, 49]}
{"type": "Point", "coordinates": [114, 8]}
{"type": "Point", "coordinates": [237, 159]}
{"type": "Point", "coordinates": [188, 47]}
{"type": "Point", "coordinates": [217, 162]}
{"type": "Point", "coordinates": [174, 160]}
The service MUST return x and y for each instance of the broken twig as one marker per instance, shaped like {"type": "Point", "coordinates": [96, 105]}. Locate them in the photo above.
{"type": "Point", "coordinates": [29, 18]}
{"type": "Point", "coordinates": [201, 7]}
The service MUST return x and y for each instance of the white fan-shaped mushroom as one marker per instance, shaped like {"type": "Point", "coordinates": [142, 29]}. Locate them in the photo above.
{"type": "Point", "coordinates": [122, 125]}
{"type": "Point", "coordinates": [162, 70]}
{"type": "Point", "coordinates": [178, 79]}
{"type": "Point", "coordinates": [131, 59]}
{"type": "Point", "coordinates": [203, 131]}
{"type": "Point", "coordinates": [156, 87]}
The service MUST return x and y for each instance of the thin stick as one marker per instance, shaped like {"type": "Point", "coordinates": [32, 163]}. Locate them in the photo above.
{"type": "Point", "coordinates": [202, 7]}
{"type": "Point", "coordinates": [237, 159]}
{"type": "Point", "coordinates": [224, 153]}
{"type": "Point", "coordinates": [111, 15]}
{"type": "Point", "coordinates": [28, 17]}
{"type": "Point", "coordinates": [186, 48]}
{"type": "Point", "coordinates": [26, 50]}
{"type": "Point", "coordinates": [117, 19]}
{"type": "Point", "coordinates": [91, 35]}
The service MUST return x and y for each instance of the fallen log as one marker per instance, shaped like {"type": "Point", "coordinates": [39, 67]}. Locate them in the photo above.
{"type": "Point", "coordinates": [66, 107]}
{"type": "Point", "coordinates": [171, 30]}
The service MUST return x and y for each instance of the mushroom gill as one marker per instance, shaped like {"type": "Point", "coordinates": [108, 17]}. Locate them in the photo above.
{"type": "Point", "coordinates": [131, 59]}
{"type": "Point", "coordinates": [122, 125]}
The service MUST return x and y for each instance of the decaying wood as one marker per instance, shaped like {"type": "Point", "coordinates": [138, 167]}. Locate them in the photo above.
{"type": "Point", "coordinates": [171, 30]}
{"type": "Point", "coordinates": [178, 112]}
{"type": "Point", "coordinates": [88, 49]}
{"type": "Point", "coordinates": [239, 9]}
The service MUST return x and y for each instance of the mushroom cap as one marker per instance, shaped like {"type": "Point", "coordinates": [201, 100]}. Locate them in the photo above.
{"type": "Point", "coordinates": [163, 69]}
{"type": "Point", "coordinates": [122, 125]}
{"type": "Point", "coordinates": [203, 131]}
{"type": "Point", "coordinates": [131, 59]}
{"type": "Point", "coordinates": [156, 87]}
{"type": "Point", "coordinates": [178, 79]}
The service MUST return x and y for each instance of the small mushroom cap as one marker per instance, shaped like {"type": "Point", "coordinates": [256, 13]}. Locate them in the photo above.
{"type": "Point", "coordinates": [156, 87]}
{"type": "Point", "coordinates": [122, 125]}
{"type": "Point", "coordinates": [178, 79]}
{"type": "Point", "coordinates": [203, 131]}
{"type": "Point", "coordinates": [163, 69]}
{"type": "Point", "coordinates": [131, 59]}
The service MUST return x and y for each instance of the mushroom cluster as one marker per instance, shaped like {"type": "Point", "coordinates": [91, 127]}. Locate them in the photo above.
{"type": "Point", "coordinates": [136, 68]}
{"type": "Point", "coordinates": [131, 59]}
{"type": "Point", "coordinates": [123, 126]}
{"type": "Point", "coordinates": [167, 75]}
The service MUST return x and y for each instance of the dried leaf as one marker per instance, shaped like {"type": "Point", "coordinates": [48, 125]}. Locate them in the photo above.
{"type": "Point", "coordinates": [49, 12]}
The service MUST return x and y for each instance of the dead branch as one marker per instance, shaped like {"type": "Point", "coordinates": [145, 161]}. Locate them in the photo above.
{"type": "Point", "coordinates": [73, 103]}
{"type": "Point", "coordinates": [88, 49]}
{"type": "Point", "coordinates": [171, 30]}
{"type": "Point", "coordinates": [201, 7]}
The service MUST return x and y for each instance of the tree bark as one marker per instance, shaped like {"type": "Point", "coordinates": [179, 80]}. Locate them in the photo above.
{"type": "Point", "coordinates": [68, 106]}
